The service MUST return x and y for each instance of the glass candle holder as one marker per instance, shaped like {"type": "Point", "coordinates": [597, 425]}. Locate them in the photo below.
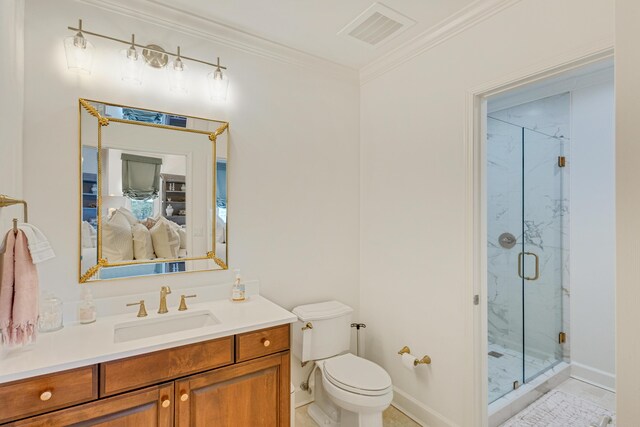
{"type": "Point", "coordinates": [50, 313]}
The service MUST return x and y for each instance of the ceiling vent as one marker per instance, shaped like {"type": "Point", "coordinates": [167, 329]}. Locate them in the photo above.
{"type": "Point", "coordinates": [377, 25]}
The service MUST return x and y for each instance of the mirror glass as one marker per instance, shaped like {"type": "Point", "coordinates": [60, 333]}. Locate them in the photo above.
{"type": "Point", "coordinates": [153, 191]}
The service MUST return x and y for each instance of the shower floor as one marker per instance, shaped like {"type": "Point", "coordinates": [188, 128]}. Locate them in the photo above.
{"type": "Point", "coordinates": [506, 369]}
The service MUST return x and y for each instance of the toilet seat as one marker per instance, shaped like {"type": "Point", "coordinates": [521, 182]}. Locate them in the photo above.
{"type": "Point", "coordinates": [354, 374]}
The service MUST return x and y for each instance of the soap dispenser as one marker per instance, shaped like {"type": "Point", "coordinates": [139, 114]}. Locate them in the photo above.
{"type": "Point", "coordinates": [238, 292]}
{"type": "Point", "coordinates": [86, 307]}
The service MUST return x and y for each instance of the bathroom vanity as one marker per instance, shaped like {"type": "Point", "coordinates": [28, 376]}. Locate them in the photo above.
{"type": "Point", "coordinates": [239, 378]}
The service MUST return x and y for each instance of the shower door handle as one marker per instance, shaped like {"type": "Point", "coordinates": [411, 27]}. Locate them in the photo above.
{"type": "Point", "coordinates": [520, 258]}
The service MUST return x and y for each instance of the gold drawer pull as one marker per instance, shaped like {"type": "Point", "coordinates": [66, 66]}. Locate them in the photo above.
{"type": "Point", "coordinates": [184, 397]}
{"type": "Point", "coordinates": [166, 402]}
{"type": "Point", "coordinates": [266, 342]}
{"type": "Point", "coordinates": [46, 395]}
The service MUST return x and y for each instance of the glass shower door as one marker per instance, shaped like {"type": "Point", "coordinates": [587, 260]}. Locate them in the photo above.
{"type": "Point", "coordinates": [541, 260]}
{"type": "Point", "coordinates": [504, 243]}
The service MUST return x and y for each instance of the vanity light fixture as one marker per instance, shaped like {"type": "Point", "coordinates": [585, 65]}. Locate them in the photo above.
{"type": "Point", "coordinates": [79, 56]}
{"type": "Point", "coordinates": [218, 83]}
{"type": "Point", "coordinates": [131, 66]}
{"type": "Point", "coordinates": [79, 52]}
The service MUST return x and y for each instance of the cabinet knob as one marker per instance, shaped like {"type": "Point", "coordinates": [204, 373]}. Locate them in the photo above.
{"type": "Point", "coordinates": [266, 342]}
{"type": "Point", "coordinates": [166, 402]}
{"type": "Point", "coordinates": [184, 397]}
{"type": "Point", "coordinates": [46, 395]}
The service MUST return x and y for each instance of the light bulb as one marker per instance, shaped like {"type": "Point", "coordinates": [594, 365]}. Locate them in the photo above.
{"type": "Point", "coordinates": [132, 54]}
{"type": "Point", "coordinates": [178, 65]}
{"type": "Point", "coordinates": [79, 41]}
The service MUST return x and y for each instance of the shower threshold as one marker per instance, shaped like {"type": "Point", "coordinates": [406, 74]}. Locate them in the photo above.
{"type": "Point", "coordinates": [513, 402]}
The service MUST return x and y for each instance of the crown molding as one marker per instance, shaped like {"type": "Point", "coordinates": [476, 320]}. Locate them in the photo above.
{"type": "Point", "coordinates": [177, 20]}
{"type": "Point", "coordinates": [466, 18]}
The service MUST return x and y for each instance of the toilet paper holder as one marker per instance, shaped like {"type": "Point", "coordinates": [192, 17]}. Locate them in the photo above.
{"type": "Point", "coordinates": [426, 360]}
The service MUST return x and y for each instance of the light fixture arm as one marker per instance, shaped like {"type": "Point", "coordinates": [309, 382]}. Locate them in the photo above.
{"type": "Point", "coordinates": [133, 44]}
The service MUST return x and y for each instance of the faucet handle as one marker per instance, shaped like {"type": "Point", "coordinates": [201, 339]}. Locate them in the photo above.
{"type": "Point", "coordinates": [142, 312]}
{"type": "Point", "coordinates": [183, 303]}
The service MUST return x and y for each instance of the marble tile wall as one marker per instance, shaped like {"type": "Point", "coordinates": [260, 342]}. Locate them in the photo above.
{"type": "Point", "coordinates": [523, 176]}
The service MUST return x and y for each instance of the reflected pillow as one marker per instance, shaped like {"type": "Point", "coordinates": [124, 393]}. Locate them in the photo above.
{"type": "Point", "coordinates": [221, 232]}
{"type": "Point", "coordinates": [142, 243]}
{"type": "Point", "coordinates": [129, 215]}
{"type": "Point", "coordinates": [182, 233]}
{"type": "Point", "coordinates": [166, 241]}
{"type": "Point", "coordinates": [88, 235]}
{"type": "Point", "coordinates": [117, 239]}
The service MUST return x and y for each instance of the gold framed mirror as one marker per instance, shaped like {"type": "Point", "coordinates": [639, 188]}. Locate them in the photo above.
{"type": "Point", "coordinates": [153, 192]}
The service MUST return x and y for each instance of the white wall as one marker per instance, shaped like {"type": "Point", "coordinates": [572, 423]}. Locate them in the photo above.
{"type": "Point", "coordinates": [286, 125]}
{"type": "Point", "coordinates": [293, 203]}
{"type": "Point", "coordinates": [592, 238]}
{"type": "Point", "coordinates": [414, 265]}
{"type": "Point", "coordinates": [627, 208]}
{"type": "Point", "coordinates": [11, 105]}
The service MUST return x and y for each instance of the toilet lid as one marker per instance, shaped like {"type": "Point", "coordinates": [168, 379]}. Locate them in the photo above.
{"type": "Point", "coordinates": [357, 375]}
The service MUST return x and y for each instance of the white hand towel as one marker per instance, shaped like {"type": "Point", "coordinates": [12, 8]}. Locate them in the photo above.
{"type": "Point", "coordinates": [39, 246]}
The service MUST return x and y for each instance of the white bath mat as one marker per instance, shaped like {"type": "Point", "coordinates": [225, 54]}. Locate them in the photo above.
{"type": "Point", "coordinates": [559, 409]}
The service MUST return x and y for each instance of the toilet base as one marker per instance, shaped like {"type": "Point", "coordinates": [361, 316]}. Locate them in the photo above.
{"type": "Point", "coordinates": [320, 417]}
{"type": "Point", "coordinates": [347, 418]}
{"type": "Point", "coordinates": [351, 419]}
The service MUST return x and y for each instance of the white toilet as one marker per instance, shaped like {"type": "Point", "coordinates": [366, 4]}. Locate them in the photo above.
{"type": "Point", "coordinates": [349, 391]}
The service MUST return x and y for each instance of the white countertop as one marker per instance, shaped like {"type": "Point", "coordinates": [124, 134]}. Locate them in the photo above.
{"type": "Point", "coordinates": [79, 345]}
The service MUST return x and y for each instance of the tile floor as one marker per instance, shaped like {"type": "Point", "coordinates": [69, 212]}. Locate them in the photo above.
{"type": "Point", "coordinates": [392, 417]}
{"type": "Point", "coordinates": [601, 397]}
{"type": "Point", "coordinates": [503, 371]}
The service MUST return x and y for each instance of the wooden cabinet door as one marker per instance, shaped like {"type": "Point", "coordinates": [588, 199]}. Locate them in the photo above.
{"type": "Point", "coordinates": [250, 394]}
{"type": "Point", "coordinates": [149, 407]}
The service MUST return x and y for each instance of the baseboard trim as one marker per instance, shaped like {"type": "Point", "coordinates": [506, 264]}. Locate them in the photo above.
{"type": "Point", "coordinates": [418, 411]}
{"type": "Point", "coordinates": [301, 398]}
{"type": "Point", "coordinates": [593, 376]}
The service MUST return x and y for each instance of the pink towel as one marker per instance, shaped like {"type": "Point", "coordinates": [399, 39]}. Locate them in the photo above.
{"type": "Point", "coordinates": [18, 292]}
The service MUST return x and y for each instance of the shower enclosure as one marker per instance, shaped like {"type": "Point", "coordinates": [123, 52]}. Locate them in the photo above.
{"type": "Point", "coordinates": [526, 208]}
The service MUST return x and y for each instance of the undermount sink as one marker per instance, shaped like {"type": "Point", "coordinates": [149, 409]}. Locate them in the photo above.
{"type": "Point", "coordinates": [165, 324]}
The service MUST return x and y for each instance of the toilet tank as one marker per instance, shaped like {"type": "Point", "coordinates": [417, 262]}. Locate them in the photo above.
{"type": "Point", "coordinates": [330, 334]}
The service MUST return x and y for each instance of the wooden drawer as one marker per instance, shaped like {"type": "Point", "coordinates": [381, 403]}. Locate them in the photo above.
{"type": "Point", "coordinates": [261, 343]}
{"type": "Point", "coordinates": [149, 407]}
{"type": "Point", "coordinates": [20, 399]}
{"type": "Point", "coordinates": [152, 368]}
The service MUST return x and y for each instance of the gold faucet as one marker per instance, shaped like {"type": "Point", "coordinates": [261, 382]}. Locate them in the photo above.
{"type": "Point", "coordinates": [164, 291]}
{"type": "Point", "coordinates": [142, 312]}
{"type": "Point", "coordinates": [183, 302]}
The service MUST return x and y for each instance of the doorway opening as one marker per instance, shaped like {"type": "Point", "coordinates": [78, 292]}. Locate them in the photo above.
{"type": "Point", "coordinates": [549, 186]}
